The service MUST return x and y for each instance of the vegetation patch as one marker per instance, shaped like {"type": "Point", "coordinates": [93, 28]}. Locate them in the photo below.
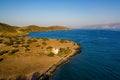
{"type": "Point", "coordinates": [63, 41]}
{"type": "Point", "coordinates": [29, 41]}
{"type": "Point", "coordinates": [15, 46]}
{"type": "Point", "coordinates": [34, 40]}
{"type": "Point", "coordinates": [13, 51]}
{"type": "Point", "coordinates": [26, 46]}
{"type": "Point", "coordinates": [37, 45]}
{"type": "Point", "coordinates": [44, 43]}
{"type": "Point", "coordinates": [64, 51]}
{"type": "Point", "coordinates": [1, 59]}
{"type": "Point", "coordinates": [3, 52]}
{"type": "Point", "coordinates": [51, 54]}
{"type": "Point", "coordinates": [49, 48]}
{"type": "Point", "coordinates": [9, 43]}
{"type": "Point", "coordinates": [19, 42]}
{"type": "Point", "coordinates": [27, 49]}
{"type": "Point", "coordinates": [1, 40]}
{"type": "Point", "coordinates": [45, 39]}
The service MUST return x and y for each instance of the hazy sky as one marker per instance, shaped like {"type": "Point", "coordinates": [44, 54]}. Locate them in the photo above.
{"type": "Point", "coordinates": [73, 13]}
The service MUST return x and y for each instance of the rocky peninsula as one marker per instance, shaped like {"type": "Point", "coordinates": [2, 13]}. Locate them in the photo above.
{"type": "Point", "coordinates": [23, 58]}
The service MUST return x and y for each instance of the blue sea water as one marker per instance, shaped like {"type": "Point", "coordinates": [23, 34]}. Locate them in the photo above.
{"type": "Point", "coordinates": [99, 59]}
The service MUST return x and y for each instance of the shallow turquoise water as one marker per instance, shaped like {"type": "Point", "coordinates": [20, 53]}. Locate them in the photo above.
{"type": "Point", "coordinates": [99, 59]}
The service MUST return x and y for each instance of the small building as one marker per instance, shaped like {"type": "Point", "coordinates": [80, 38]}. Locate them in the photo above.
{"type": "Point", "coordinates": [55, 50]}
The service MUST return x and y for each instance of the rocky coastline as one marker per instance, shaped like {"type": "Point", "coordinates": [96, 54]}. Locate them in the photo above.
{"type": "Point", "coordinates": [41, 64]}
{"type": "Point", "coordinates": [48, 74]}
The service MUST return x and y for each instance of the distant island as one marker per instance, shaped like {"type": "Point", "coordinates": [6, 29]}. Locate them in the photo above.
{"type": "Point", "coordinates": [111, 26]}
{"type": "Point", "coordinates": [24, 58]}
{"type": "Point", "coordinates": [15, 30]}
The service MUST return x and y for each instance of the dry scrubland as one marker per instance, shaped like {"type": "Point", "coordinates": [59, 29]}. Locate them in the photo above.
{"type": "Point", "coordinates": [21, 56]}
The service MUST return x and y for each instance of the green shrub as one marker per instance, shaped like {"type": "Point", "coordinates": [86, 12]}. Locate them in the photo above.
{"type": "Point", "coordinates": [14, 51]}
{"type": "Point", "coordinates": [45, 39]}
{"type": "Point", "coordinates": [64, 51]}
{"type": "Point", "coordinates": [3, 52]}
{"type": "Point", "coordinates": [51, 54]}
{"type": "Point", "coordinates": [9, 43]}
{"type": "Point", "coordinates": [29, 41]}
{"type": "Point", "coordinates": [18, 42]}
{"type": "Point", "coordinates": [2, 36]}
{"type": "Point", "coordinates": [44, 43]}
{"type": "Point", "coordinates": [1, 40]}
{"type": "Point", "coordinates": [22, 39]}
{"type": "Point", "coordinates": [1, 59]}
{"type": "Point", "coordinates": [27, 49]}
{"type": "Point", "coordinates": [15, 46]}
{"type": "Point", "coordinates": [63, 41]}
{"type": "Point", "coordinates": [26, 46]}
{"type": "Point", "coordinates": [34, 40]}
{"type": "Point", "coordinates": [49, 47]}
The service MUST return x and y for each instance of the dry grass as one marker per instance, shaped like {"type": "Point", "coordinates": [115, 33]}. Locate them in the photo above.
{"type": "Point", "coordinates": [24, 65]}
{"type": "Point", "coordinates": [34, 60]}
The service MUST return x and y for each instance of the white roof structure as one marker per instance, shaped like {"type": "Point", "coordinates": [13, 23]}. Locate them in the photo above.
{"type": "Point", "coordinates": [55, 50]}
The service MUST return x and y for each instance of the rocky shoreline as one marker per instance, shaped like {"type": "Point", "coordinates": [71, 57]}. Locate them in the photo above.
{"type": "Point", "coordinates": [49, 73]}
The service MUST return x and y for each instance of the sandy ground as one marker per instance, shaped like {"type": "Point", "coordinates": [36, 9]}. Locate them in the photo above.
{"type": "Point", "coordinates": [15, 66]}
{"type": "Point", "coordinates": [35, 60]}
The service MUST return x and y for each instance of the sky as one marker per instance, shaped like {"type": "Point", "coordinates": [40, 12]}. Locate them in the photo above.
{"type": "Point", "coordinates": [71, 13]}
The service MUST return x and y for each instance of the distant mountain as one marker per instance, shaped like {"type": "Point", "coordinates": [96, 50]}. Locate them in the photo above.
{"type": "Point", "coordinates": [5, 29]}
{"type": "Point", "coordinates": [58, 28]}
{"type": "Point", "coordinates": [104, 26]}
{"type": "Point", "coordinates": [38, 28]}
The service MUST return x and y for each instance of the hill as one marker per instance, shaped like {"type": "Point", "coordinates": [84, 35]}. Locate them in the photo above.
{"type": "Point", "coordinates": [58, 28]}
{"type": "Point", "coordinates": [38, 28]}
{"type": "Point", "coordinates": [15, 30]}
{"type": "Point", "coordinates": [6, 27]}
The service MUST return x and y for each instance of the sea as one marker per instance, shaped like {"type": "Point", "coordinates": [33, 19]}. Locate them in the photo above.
{"type": "Point", "coordinates": [99, 59]}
